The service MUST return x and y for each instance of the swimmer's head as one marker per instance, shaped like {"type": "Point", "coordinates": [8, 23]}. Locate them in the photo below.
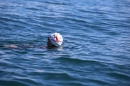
{"type": "Point", "coordinates": [55, 39]}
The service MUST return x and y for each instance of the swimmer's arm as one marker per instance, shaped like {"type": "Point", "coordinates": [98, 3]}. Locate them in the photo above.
{"type": "Point", "coordinates": [10, 46]}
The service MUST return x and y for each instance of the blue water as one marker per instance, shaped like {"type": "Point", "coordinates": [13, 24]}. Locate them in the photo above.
{"type": "Point", "coordinates": [95, 52]}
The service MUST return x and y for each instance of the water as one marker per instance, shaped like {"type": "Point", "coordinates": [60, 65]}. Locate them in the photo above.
{"type": "Point", "coordinates": [96, 48]}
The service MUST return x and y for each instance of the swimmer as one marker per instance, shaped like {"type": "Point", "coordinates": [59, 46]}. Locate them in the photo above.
{"type": "Point", "coordinates": [54, 40]}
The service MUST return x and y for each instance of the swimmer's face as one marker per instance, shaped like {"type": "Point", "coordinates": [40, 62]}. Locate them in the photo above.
{"type": "Point", "coordinates": [49, 44]}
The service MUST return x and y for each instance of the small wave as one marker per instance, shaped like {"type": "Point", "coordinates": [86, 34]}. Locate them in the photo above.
{"type": "Point", "coordinates": [120, 76]}
{"type": "Point", "coordinates": [79, 61]}
{"type": "Point", "coordinates": [12, 83]}
{"type": "Point", "coordinates": [74, 84]}
{"type": "Point", "coordinates": [100, 82]}
{"type": "Point", "coordinates": [123, 78]}
{"type": "Point", "coordinates": [54, 75]}
{"type": "Point", "coordinates": [58, 2]}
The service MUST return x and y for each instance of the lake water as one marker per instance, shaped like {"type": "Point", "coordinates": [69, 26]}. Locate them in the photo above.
{"type": "Point", "coordinates": [95, 52]}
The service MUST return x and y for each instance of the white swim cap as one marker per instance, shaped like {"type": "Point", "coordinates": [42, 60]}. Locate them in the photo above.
{"type": "Point", "coordinates": [56, 39]}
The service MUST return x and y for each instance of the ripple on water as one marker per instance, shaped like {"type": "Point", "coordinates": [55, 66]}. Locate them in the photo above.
{"type": "Point", "coordinates": [95, 51]}
{"type": "Point", "coordinates": [11, 82]}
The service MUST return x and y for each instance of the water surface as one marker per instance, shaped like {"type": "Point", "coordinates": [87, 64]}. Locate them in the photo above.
{"type": "Point", "coordinates": [95, 52]}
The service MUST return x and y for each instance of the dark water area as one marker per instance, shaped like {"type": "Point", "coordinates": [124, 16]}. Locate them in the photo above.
{"type": "Point", "coordinates": [95, 52]}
